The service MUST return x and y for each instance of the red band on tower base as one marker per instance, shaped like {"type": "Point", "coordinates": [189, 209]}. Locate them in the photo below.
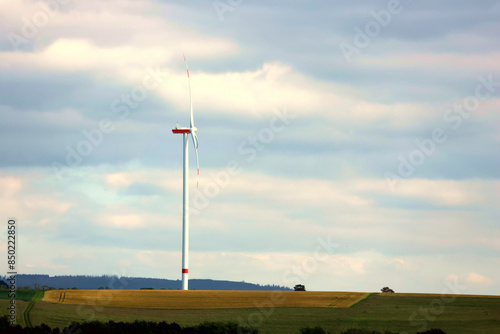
{"type": "Point", "coordinates": [184, 271]}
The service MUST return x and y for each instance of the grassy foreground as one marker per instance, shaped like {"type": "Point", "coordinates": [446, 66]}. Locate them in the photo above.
{"type": "Point", "coordinates": [396, 312]}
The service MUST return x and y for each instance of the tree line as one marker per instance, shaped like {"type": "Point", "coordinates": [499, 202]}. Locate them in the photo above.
{"type": "Point", "coordinates": [46, 282]}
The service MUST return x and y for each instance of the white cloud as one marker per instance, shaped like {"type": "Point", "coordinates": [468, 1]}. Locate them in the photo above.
{"type": "Point", "coordinates": [475, 278]}
{"type": "Point", "coordinates": [19, 198]}
{"type": "Point", "coordinates": [251, 93]}
{"type": "Point", "coordinates": [451, 193]}
{"type": "Point", "coordinates": [275, 85]}
{"type": "Point", "coordinates": [127, 63]}
{"type": "Point", "coordinates": [479, 62]}
{"type": "Point", "coordinates": [10, 185]}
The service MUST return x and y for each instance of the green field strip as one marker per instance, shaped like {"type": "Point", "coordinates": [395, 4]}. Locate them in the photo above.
{"type": "Point", "coordinates": [26, 315]}
{"type": "Point", "coordinates": [364, 299]}
{"type": "Point", "coordinates": [24, 295]}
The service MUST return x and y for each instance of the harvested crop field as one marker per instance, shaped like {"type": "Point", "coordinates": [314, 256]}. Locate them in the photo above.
{"type": "Point", "coordinates": [199, 299]}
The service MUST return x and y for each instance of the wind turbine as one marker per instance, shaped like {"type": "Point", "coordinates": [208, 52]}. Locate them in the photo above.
{"type": "Point", "coordinates": [185, 184]}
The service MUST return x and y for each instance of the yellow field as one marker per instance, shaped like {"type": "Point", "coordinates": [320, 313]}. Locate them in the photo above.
{"type": "Point", "coordinates": [199, 299]}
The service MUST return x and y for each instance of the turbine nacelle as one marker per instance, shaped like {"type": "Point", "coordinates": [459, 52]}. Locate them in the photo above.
{"type": "Point", "coordinates": [181, 130]}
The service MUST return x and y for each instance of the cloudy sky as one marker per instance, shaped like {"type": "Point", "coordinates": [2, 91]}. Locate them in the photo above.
{"type": "Point", "coordinates": [345, 146]}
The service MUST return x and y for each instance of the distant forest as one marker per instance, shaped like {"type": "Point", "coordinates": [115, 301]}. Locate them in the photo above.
{"type": "Point", "coordinates": [132, 283]}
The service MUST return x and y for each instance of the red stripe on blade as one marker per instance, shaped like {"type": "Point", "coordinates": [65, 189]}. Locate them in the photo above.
{"type": "Point", "coordinates": [184, 271]}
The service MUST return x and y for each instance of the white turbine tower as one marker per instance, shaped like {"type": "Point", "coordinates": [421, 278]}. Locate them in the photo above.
{"type": "Point", "coordinates": [185, 185]}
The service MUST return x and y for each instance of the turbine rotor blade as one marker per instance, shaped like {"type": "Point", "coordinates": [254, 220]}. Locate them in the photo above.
{"type": "Point", "coordinates": [192, 128]}
{"type": "Point", "coordinates": [195, 143]}
{"type": "Point", "coordinates": [190, 100]}
{"type": "Point", "coordinates": [195, 138]}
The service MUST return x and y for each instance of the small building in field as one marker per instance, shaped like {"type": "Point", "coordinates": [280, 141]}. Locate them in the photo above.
{"type": "Point", "coordinates": [299, 287]}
